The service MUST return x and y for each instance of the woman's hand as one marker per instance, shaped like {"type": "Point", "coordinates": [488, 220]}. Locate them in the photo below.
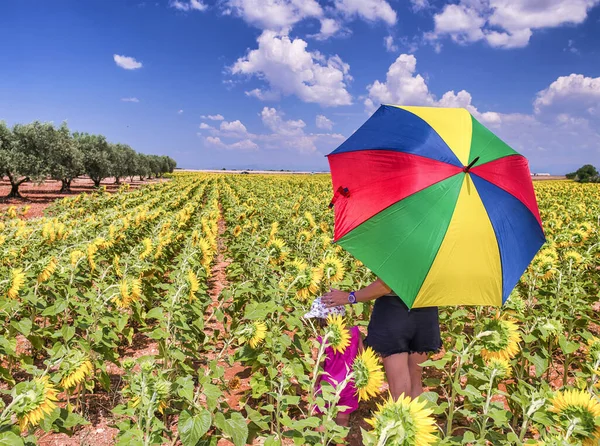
{"type": "Point", "coordinates": [335, 298]}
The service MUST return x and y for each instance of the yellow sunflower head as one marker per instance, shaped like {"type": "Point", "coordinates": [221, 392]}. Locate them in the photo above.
{"type": "Point", "coordinates": [338, 335]}
{"type": "Point", "coordinates": [404, 422]}
{"type": "Point", "coordinates": [499, 368]}
{"type": "Point", "coordinates": [277, 251]}
{"type": "Point", "coordinates": [193, 284]}
{"type": "Point", "coordinates": [593, 349]}
{"type": "Point", "coordinates": [254, 332]}
{"type": "Point", "coordinates": [17, 280]}
{"type": "Point", "coordinates": [237, 231]}
{"type": "Point", "coordinates": [368, 376]}
{"type": "Point", "coordinates": [573, 257]}
{"type": "Point", "coordinates": [36, 399]}
{"type": "Point", "coordinates": [308, 282]}
{"type": "Point", "coordinates": [578, 411]}
{"type": "Point", "coordinates": [75, 256]}
{"type": "Point", "coordinates": [74, 368]}
{"type": "Point", "coordinates": [501, 339]}
{"type": "Point", "coordinates": [333, 269]}
{"type": "Point", "coordinates": [48, 270]}
{"type": "Point", "coordinates": [304, 236]}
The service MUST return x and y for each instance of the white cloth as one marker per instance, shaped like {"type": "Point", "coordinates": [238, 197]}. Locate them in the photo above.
{"type": "Point", "coordinates": [318, 309]}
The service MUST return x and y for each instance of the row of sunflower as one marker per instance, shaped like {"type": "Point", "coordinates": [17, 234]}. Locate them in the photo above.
{"type": "Point", "coordinates": [76, 291]}
{"type": "Point", "coordinates": [528, 374]}
{"type": "Point", "coordinates": [104, 273]}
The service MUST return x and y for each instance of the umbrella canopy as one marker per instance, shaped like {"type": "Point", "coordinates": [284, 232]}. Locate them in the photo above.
{"type": "Point", "coordinates": [436, 205]}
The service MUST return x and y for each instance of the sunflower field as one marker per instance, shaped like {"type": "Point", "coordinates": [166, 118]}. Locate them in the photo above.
{"type": "Point", "coordinates": [177, 308]}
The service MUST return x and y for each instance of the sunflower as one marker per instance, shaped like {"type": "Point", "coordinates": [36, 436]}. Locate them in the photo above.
{"type": "Point", "coordinates": [11, 212]}
{"type": "Point", "coordinates": [573, 257]}
{"type": "Point", "coordinates": [278, 251]}
{"type": "Point", "coordinates": [273, 232]}
{"type": "Point", "coordinates": [368, 376]}
{"type": "Point", "coordinates": [258, 334]}
{"type": "Point", "coordinates": [237, 231]}
{"type": "Point", "coordinates": [324, 226]}
{"type": "Point", "coordinates": [75, 367]}
{"type": "Point", "coordinates": [17, 280]}
{"type": "Point", "coordinates": [304, 236]}
{"type": "Point", "coordinates": [75, 257]}
{"type": "Point", "coordinates": [147, 248]}
{"type": "Point", "coordinates": [129, 291]}
{"type": "Point", "coordinates": [576, 411]}
{"type": "Point", "coordinates": [91, 251]}
{"type": "Point", "coordinates": [310, 219]}
{"type": "Point", "coordinates": [308, 282]}
{"type": "Point", "coordinates": [47, 271]}
{"type": "Point", "coordinates": [38, 400]}
{"type": "Point", "coordinates": [194, 285]}
{"type": "Point", "coordinates": [503, 340]}
{"type": "Point", "coordinates": [578, 237]}
{"type": "Point", "coordinates": [404, 422]}
{"type": "Point", "coordinates": [117, 267]}
{"type": "Point", "coordinates": [339, 337]}
{"type": "Point", "coordinates": [333, 269]}
{"type": "Point", "coordinates": [500, 368]}
{"type": "Point", "coordinates": [206, 250]}
{"type": "Point", "coordinates": [325, 241]}
{"type": "Point", "coordinates": [552, 327]}
{"type": "Point", "coordinates": [593, 349]}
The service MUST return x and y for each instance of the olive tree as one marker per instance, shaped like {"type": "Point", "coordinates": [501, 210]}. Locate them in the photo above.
{"type": "Point", "coordinates": [26, 153]}
{"type": "Point", "coordinates": [143, 166]}
{"type": "Point", "coordinates": [65, 159]}
{"type": "Point", "coordinates": [97, 156]}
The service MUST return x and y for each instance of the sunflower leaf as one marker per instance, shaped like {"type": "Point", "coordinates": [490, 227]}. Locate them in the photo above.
{"type": "Point", "coordinates": [193, 427]}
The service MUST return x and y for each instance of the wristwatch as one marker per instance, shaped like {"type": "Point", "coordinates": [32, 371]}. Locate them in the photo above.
{"type": "Point", "coordinates": [352, 297]}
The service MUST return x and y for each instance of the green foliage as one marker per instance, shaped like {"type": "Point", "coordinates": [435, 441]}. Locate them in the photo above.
{"type": "Point", "coordinates": [585, 174]}
{"type": "Point", "coordinates": [36, 151]}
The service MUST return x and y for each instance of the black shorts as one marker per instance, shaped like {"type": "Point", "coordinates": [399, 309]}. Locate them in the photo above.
{"type": "Point", "coordinates": [394, 328]}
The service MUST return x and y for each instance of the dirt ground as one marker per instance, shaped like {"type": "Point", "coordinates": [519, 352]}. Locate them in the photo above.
{"type": "Point", "coordinates": [39, 196]}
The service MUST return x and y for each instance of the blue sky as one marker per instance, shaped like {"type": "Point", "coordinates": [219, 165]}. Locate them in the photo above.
{"type": "Point", "coordinates": [280, 83]}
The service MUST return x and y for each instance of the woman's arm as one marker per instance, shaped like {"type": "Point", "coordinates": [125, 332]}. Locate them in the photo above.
{"type": "Point", "coordinates": [370, 292]}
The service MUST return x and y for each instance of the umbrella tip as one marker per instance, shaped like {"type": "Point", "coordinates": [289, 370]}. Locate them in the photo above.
{"type": "Point", "coordinates": [466, 169]}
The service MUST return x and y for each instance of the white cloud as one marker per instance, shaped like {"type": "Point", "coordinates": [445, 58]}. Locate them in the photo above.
{"type": "Point", "coordinates": [574, 93]}
{"type": "Point", "coordinates": [233, 129]}
{"type": "Point", "coordinates": [213, 117]}
{"type": "Point", "coordinates": [370, 10]}
{"type": "Point", "coordinates": [323, 122]}
{"type": "Point", "coordinates": [419, 5]}
{"type": "Point", "coordinates": [287, 134]}
{"type": "Point", "coordinates": [389, 44]}
{"type": "Point", "coordinates": [329, 28]}
{"type": "Point", "coordinates": [273, 119]}
{"type": "Point", "coordinates": [216, 142]}
{"type": "Point", "coordinates": [290, 69]}
{"type": "Point", "coordinates": [401, 86]}
{"type": "Point", "coordinates": [180, 112]}
{"type": "Point", "coordinates": [190, 5]}
{"type": "Point", "coordinates": [130, 99]}
{"type": "Point", "coordinates": [559, 134]}
{"type": "Point", "coordinates": [505, 23]}
{"type": "Point", "coordinates": [244, 144]}
{"type": "Point", "coordinates": [461, 23]}
{"type": "Point", "coordinates": [126, 62]}
{"type": "Point", "coordinates": [274, 14]}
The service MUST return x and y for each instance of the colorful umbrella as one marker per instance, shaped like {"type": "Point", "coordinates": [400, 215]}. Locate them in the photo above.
{"type": "Point", "coordinates": [436, 205]}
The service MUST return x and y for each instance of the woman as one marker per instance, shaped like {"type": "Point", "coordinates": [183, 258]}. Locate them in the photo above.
{"type": "Point", "coordinates": [401, 336]}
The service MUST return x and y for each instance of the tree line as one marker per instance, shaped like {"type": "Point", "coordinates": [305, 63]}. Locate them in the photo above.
{"type": "Point", "coordinates": [40, 150]}
{"type": "Point", "coordinates": [585, 174]}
